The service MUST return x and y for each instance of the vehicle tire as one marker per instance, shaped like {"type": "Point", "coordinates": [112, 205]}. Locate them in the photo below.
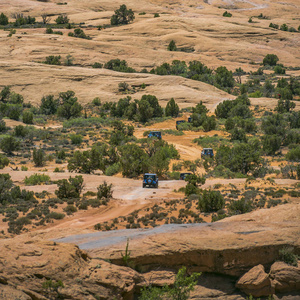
{"type": "Point", "coordinates": [144, 185]}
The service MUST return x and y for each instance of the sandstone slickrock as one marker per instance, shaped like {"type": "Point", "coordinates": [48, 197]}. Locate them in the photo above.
{"type": "Point", "coordinates": [232, 246]}
{"type": "Point", "coordinates": [256, 282]}
{"type": "Point", "coordinates": [25, 266]}
{"type": "Point", "coordinates": [285, 278]}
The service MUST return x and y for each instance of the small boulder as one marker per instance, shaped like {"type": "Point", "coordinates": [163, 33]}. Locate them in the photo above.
{"type": "Point", "coordinates": [285, 278]}
{"type": "Point", "coordinates": [256, 282]}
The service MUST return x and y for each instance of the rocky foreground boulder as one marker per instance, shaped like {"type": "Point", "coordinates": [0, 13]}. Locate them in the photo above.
{"type": "Point", "coordinates": [282, 278]}
{"type": "Point", "coordinates": [25, 267]}
{"type": "Point", "coordinates": [229, 249]}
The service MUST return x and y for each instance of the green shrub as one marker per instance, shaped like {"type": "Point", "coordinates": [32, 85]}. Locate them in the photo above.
{"type": "Point", "coordinates": [36, 179]}
{"type": "Point", "coordinates": [284, 27]}
{"type": "Point", "coordinates": [180, 289]}
{"type": "Point", "coordinates": [55, 215]}
{"type": "Point", "coordinates": [4, 161]}
{"type": "Point", "coordinates": [79, 33]}
{"type": "Point", "coordinates": [62, 19]}
{"type": "Point", "coordinates": [227, 14]}
{"type": "Point", "coordinates": [105, 191]}
{"type": "Point", "coordinates": [49, 105]}
{"type": "Point", "coordinates": [241, 206]}
{"type": "Point", "coordinates": [53, 60]}
{"type": "Point", "coordinates": [69, 106]}
{"type": "Point", "coordinates": [49, 30]}
{"type": "Point", "coordinates": [272, 25]}
{"type": "Point", "coordinates": [3, 19]}
{"type": "Point", "coordinates": [97, 65]}
{"type": "Point", "coordinates": [112, 169]}
{"type": "Point", "coordinates": [70, 209]}
{"type": "Point", "coordinates": [172, 46]}
{"type": "Point", "coordinates": [294, 154]}
{"type": "Point", "coordinates": [211, 201]}
{"type": "Point", "coordinates": [119, 66]}
{"type": "Point", "coordinates": [122, 16]}
{"type": "Point", "coordinates": [76, 139]}
{"type": "Point", "coordinates": [39, 157]}
{"type": "Point", "coordinates": [9, 144]}
{"type": "Point", "coordinates": [70, 188]}
{"type": "Point", "coordinates": [270, 59]}
{"type": "Point", "coordinates": [27, 117]}
{"type": "Point", "coordinates": [279, 70]}
{"type": "Point", "coordinates": [287, 255]}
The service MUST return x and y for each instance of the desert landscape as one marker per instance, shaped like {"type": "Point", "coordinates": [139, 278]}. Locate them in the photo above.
{"type": "Point", "coordinates": [92, 206]}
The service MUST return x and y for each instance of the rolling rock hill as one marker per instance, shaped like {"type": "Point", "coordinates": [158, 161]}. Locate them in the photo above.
{"type": "Point", "coordinates": [237, 254]}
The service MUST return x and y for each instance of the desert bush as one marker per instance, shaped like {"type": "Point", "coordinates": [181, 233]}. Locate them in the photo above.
{"type": "Point", "coordinates": [61, 154]}
{"type": "Point", "coordinates": [4, 161]}
{"type": "Point", "coordinates": [285, 106]}
{"type": "Point", "coordinates": [287, 255]}
{"type": "Point", "coordinates": [20, 19]}
{"type": "Point", "coordinates": [113, 169]}
{"type": "Point", "coordinates": [70, 209]}
{"type": "Point", "coordinates": [9, 144]}
{"type": "Point", "coordinates": [105, 191]}
{"type": "Point", "coordinates": [241, 206]}
{"type": "Point", "coordinates": [294, 154]}
{"type": "Point", "coordinates": [210, 201]}
{"type": "Point", "coordinates": [172, 46]}
{"type": "Point", "coordinates": [53, 60]}
{"type": "Point", "coordinates": [272, 25]}
{"type": "Point", "coordinates": [133, 160]}
{"type": "Point", "coordinates": [279, 70]}
{"type": "Point", "coordinates": [122, 16]}
{"type": "Point", "coordinates": [271, 144]}
{"type": "Point", "coordinates": [27, 117]}
{"type": "Point", "coordinates": [97, 65]}
{"type": "Point", "coordinates": [227, 14]}
{"type": "Point", "coordinates": [55, 215]}
{"type": "Point", "coordinates": [68, 105]}
{"type": "Point", "coordinates": [62, 19]}
{"type": "Point", "coordinates": [36, 179]}
{"type": "Point", "coordinates": [244, 157]}
{"type": "Point", "coordinates": [39, 157]}
{"type": "Point", "coordinates": [79, 33]}
{"type": "Point", "coordinates": [70, 188]}
{"type": "Point", "coordinates": [270, 59]}
{"type": "Point", "coordinates": [284, 27]}
{"type": "Point", "coordinates": [49, 105]}
{"type": "Point", "coordinates": [3, 19]}
{"type": "Point", "coordinates": [76, 139]}
{"type": "Point", "coordinates": [119, 66]}
{"type": "Point", "coordinates": [180, 290]}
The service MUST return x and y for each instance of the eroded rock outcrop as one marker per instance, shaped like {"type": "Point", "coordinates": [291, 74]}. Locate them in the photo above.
{"type": "Point", "coordinates": [285, 278]}
{"type": "Point", "coordinates": [24, 267]}
{"type": "Point", "coordinates": [256, 282]}
{"type": "Point", "coordinates": [282, 278]}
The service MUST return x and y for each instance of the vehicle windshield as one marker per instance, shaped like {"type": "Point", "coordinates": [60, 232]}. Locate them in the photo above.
{"type": "Point", "coordinates": [149, 176]}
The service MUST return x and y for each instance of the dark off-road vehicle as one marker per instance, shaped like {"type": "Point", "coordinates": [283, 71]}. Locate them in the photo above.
{"type": "Point", "coordinates": [150, 180]}
{"type": "Point", "coordinates": [184, 175]}
{"type": "Point", "coordinates": [156, 134]}
{"type": "Point", "coordinates": [207, 152]}
{"type": "Point", "coordinates": [179, 122]}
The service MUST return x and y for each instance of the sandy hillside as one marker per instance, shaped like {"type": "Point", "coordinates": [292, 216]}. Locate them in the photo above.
{"type": "Point", "coordinates": [217, 41]}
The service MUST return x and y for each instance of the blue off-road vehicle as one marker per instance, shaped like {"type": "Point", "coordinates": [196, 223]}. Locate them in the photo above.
{"type": "Point", "coordinates": [179, 122]}
{"type": "Point", "coordinates": [207, 152]}
{"type": "Point", "coordinates": [150, 180]}
{"type": "Point", "coordinates": [156, 134]}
